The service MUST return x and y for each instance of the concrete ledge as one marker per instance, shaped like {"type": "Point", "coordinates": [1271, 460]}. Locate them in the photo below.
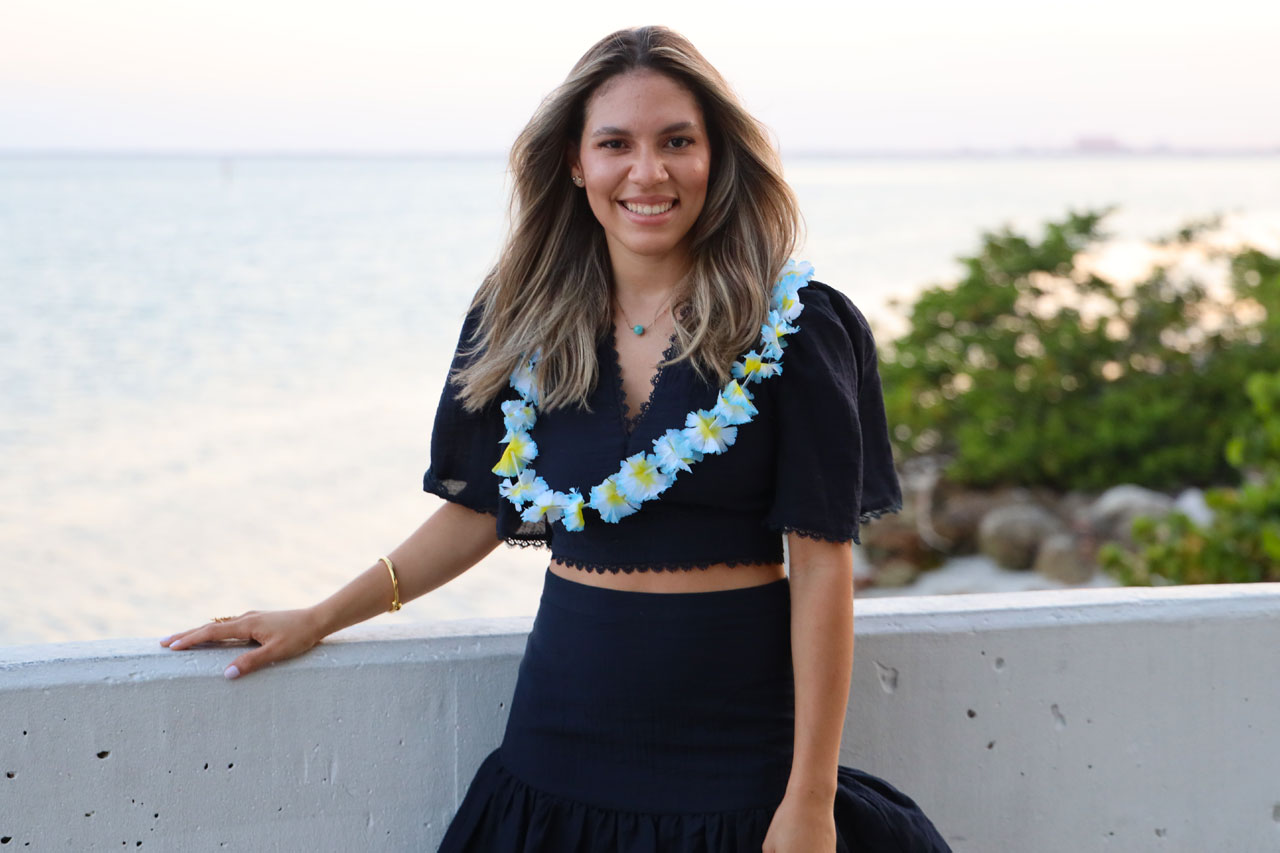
{"type": "Point", "coordinates": [1109, 719]}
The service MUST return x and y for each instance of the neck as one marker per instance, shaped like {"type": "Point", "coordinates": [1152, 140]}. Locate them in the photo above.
{"type": "Point", "coordinates": [642, 283]}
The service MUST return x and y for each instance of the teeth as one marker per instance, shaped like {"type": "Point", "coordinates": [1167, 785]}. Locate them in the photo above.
{"type": "Point", "coordinates": [648, 209]}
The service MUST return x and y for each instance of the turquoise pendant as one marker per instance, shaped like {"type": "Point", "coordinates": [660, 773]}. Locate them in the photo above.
{"type": "Point", "coordinates": [639, 330]}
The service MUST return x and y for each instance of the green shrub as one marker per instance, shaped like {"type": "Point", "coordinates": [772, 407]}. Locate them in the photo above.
{"type": "Point", "coordinates": [1030, 371]}
{"type": "Point", "coordinates": [1242, 543]}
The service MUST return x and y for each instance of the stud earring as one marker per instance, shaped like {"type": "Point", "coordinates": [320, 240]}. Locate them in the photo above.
{"type": "Point", "coordinates": [577, 179]}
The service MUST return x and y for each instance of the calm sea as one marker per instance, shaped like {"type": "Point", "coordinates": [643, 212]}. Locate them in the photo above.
{"type": "Point", "coordinates": [218, 375]}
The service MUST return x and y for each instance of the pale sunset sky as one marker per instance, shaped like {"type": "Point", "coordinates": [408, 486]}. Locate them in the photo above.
{"type": "Point", "coordinates": [428, 77]}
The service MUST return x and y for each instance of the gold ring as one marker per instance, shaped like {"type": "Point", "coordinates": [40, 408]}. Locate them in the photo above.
{"type": "Point", "coordinates": [223, 618]}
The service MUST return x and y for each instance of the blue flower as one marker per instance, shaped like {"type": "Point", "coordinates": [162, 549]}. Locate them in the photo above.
{"type": "Point", "coordinates": [517, 415]}
{"type": "Point", "coordinates": [772, 333]}
{"type": "Point", "coordinates": [571, 505]}
{"type": "Point", "coordinates": [525, 488]}
{"type": "Point", "coordinates": [785, 299]}
{"type": "Point", "coordinates": [795, 275]}
{"type": "Point", "coordinates": [674, 452]}
{"type": "Point", "coordinates": [641, 478]}
{"type": "Point", "coordinates": [708, 432]}
{"type": "Point", "coordinates": [521, 450]}
{"type": "Point", "coordinates": [787, 303]}
{"type": "Point", "coordinates": [734, 405]}
{"type": "Point", "coordinates": [753, 368]}
{"type": "Point", "coordinates": [609, 501]}
{"type": "Point", "coordinates": [525, 381]}
{"type": "Point", "coordinates": [546, 504]}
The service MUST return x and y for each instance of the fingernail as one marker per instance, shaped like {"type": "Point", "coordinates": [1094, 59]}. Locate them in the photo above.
{"type": "Point", "coordinates": [175, 644]}
{"type": "Point", "coordinates": [164, 640]}
{"type": "Point", "coordinates": [232, 671]}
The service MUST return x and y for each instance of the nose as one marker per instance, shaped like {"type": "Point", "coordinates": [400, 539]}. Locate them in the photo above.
{"type": "Point", "coordinates": [648, 169]}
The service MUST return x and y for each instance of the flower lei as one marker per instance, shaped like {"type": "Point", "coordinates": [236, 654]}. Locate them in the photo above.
{"type": "Point", "coordinates": [644, 476]}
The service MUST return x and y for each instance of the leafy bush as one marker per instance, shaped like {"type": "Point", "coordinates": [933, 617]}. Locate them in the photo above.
{"type": "Point", "coordinates": [1242, 543]}
{"type": "Point", "coordinates": [1031, 371]}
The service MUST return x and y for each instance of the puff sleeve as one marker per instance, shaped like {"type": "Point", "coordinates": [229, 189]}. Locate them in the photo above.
{"type": "Point", "coordinates": [464, 445]}
{"type": "Point", "coordinates": [464, 448]}
{"type": "Point", "coordinates": [834, 463]}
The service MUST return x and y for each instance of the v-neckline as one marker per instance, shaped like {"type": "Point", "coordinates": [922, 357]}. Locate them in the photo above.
{"type": "Point", "coordinates": [631, 423]}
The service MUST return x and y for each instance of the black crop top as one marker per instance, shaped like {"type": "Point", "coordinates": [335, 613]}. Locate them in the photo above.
{"type": "Point", "coordinates": [815, 461]}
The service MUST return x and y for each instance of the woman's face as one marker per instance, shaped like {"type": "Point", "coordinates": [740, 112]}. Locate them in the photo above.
{"type": "Point", "coordinates": [644, 156]}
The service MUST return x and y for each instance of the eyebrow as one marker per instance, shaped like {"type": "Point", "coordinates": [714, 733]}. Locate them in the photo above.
{"type": "Point", "coordinates": [618, 131]}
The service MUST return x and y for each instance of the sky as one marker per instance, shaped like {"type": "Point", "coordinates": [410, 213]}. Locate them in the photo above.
{"type": "Point", "coordinates": [422, 76]}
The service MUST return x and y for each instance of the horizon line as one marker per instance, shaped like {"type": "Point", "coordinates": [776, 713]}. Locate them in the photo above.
{"type": "Point", "coordinates": [1107, 150]}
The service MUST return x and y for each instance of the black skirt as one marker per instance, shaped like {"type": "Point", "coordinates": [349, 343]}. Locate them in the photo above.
{"type": "Point", "coordinates": [647, 722]}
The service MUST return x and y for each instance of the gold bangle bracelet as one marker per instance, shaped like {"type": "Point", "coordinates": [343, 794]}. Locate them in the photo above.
{"type": "Point", "coordinates": [395, 585]}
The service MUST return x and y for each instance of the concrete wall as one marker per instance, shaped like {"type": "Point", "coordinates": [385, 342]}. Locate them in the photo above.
{"type": "Point", "coordinates": [1126, 720]}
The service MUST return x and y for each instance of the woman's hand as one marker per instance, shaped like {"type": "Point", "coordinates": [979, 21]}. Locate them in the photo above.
{"type": "Point", "coordinates": [282, 633]}
{"type": "Point", "coordinates": [802, 825]}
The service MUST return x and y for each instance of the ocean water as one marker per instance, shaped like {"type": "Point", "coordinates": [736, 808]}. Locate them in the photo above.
{"type": "Point", "coordinates": [218, 375]}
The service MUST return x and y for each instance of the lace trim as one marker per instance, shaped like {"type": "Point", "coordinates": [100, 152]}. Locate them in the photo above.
{"type": "Point", "coordinates": [630, 422]}
{"type": "Point", "coordinates": [526, 543]}
{"type": "Point", "coordinates": [863, 518]}
{"type": "Point", "coordinates": [629, 568]}
{"type": "Point", "coordinates": [819, 536]}
{"type": "Point", "coordinates": [872, 514]}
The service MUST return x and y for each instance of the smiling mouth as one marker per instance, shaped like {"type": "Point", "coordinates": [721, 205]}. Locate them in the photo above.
{"type": "Point", "coordinates": [649, 209]}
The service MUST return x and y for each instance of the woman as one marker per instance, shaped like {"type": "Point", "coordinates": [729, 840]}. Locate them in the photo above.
{"type": "Point", "coordinates": [689, 399]}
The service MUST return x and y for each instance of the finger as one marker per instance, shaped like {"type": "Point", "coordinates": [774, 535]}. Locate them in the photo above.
{"type": "Point", "coordinates": [179, 635]}
{"type": "Point", "coordinates": [235, 629]}
{"type": "Point", "coordinates": [249, 661]}
{"type": "Point", "coordinates": [173, 638]}
{"type": "Point", "coordinates": [184, 635]}
{"type": "Point", "coordinates": [187, 638]}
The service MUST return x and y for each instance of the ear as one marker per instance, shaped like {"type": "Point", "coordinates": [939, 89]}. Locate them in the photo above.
{"type": "Point", "coordinates": [572, 155]}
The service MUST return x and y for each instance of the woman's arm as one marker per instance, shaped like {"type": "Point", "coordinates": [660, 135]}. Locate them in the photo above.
{"type": "Point", "coordinates": [448, 543]}
{"type": "Point", "coordinates": [822, 656]}
{"type": "Point", "coordinates": [821, 578]}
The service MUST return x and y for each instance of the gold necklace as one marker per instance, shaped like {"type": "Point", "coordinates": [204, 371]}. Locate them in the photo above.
{"type": "Point", "coordinates": [636, 327]}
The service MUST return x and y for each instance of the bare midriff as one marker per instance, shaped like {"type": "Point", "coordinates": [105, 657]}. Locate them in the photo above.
{"type": "Point", "coordinates": [710, 579]}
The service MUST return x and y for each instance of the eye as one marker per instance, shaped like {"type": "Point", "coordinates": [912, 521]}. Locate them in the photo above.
{"type": "Point", "coordinates": [680, 142]}
{"type": "Point", "coordinates": [611, 144]}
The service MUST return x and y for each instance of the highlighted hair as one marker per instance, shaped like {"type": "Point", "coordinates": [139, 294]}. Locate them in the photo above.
{"type": "Point", "coordinates": [551, 289]}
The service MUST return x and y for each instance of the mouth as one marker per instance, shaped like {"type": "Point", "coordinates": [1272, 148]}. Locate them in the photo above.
{"type": "Point", "coordinates": [649, 209]}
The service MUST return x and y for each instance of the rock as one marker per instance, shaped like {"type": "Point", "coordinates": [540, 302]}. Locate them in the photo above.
{"type": "Point", "coordinates": [1111, 516]}
{"type": "Point", "coordinates": [1191, 503]}
{"type": "Point", "coordinates": [1012, 534]}
{"type": "Point", "coordinates": [959, 514]}
{"type": "Point", "coordinates": [1060, 558]}
{"type": "Point", "coordinates": [1073, 507]}
{"type": "Point", "coordinates": [895, 537]}
{"type": "Point", "coordinates": [896, 573]}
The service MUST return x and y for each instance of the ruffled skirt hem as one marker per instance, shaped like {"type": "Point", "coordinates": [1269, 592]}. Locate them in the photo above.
{"type": "Point", "coordinates": [503, 814]}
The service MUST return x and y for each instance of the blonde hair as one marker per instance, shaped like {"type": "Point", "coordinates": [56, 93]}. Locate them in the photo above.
{"type": "Point", "coordinates": [550, 291]}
